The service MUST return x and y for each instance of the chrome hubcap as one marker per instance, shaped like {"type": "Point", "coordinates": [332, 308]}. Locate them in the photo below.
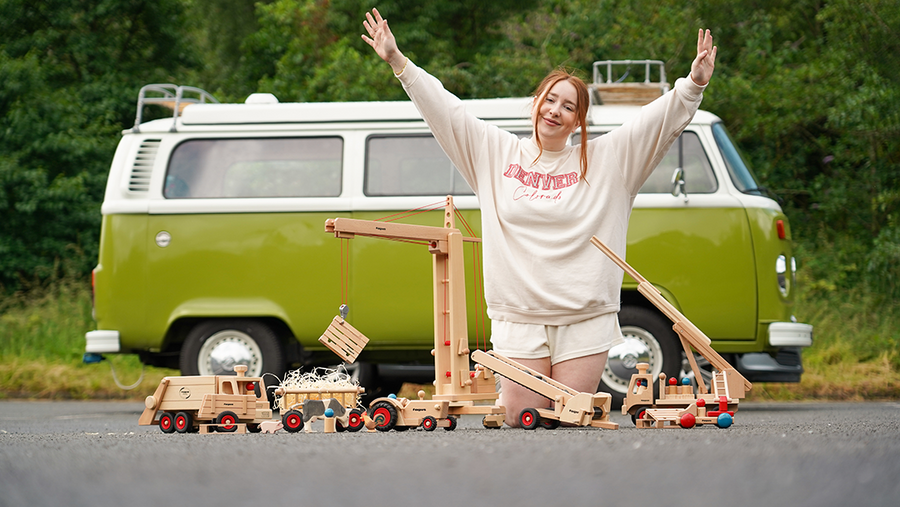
{"type": "Point", "coordinates": [225, 349]}
{"type": "Point", "coordinates": [639, 347]}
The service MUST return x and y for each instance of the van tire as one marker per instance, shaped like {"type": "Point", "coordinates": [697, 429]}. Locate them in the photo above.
{"type": "Point", "coordinates": [254, 342]}
{"type": "Point", "coordinates": [652, 334]}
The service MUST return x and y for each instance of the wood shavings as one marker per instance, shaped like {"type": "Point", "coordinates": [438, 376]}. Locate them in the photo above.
{"type": "Point", "coordinates": [319, 383]}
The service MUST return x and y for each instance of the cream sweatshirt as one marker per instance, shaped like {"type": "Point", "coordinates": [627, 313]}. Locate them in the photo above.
{"type": "Point", "coordinates": [537, 219]}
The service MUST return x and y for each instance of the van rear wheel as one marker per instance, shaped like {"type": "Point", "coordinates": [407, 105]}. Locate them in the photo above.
{"type": "Point", "coordinates": [649, 338]}
{"type": "Point", "coordinates": [214, 347]}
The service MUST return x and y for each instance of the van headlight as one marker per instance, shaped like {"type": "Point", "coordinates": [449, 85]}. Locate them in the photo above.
{"type": "Point", "coordinates": [785, 278]}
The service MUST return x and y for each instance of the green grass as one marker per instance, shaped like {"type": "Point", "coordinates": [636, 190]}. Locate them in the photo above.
{"type": "Point", "coordinates": [42, 343]}
{"type": "Point", "coordinates": [855, 354]}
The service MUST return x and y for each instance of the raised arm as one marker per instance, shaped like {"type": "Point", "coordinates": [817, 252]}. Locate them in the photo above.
{"type": "Point", "coordinates": [705, 62]}
{"type": "Point", "coordinates": [642, 142]}
{"type": "Point", "coordinates": [382, 41]}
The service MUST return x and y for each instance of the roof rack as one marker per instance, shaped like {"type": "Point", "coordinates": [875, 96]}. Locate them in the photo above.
{"type": "Point", "coordinates": [619, 91]}
{"type": "Point", "coordinates": [172, 97]}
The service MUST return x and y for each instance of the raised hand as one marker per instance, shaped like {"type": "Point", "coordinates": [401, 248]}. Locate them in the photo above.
{"type": "Point", "coordinates": [703, 66]}
{"type": "Point", "coordinates": [382, 40]}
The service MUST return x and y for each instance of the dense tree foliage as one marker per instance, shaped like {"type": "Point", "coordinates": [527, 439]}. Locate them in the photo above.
{"type": "Point", "coordinates": [810, 89]}
{"type": "Point", "coordinates": [69, 71]}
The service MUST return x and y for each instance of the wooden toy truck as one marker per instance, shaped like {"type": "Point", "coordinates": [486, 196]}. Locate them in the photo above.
{"type": "Point", "coordinates": [225, 403]}
{"type": "Point", "coordinates": [300, 405]}
{"type": "Point", "coordinates": [570, 406]}
{"type": "Point", "coordinates": [678, 406]}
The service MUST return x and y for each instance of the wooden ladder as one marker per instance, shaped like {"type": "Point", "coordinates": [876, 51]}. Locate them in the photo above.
{"type": "Point", "coordinates": [720, 385]}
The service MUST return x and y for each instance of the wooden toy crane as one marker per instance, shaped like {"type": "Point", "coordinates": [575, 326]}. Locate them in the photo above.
{"type": "Point", "coordinates": [457, 388]}
{"type": "Point", "coordinates": [677, 405]}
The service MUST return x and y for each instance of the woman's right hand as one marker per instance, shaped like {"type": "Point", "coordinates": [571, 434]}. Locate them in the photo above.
{"type": "Point", "coordinates": [382, 41]}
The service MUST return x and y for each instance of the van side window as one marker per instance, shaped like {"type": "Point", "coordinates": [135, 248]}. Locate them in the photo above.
{"type": "Point", "coordinates": [255, 167]}
{"type": "Point", "coordinates": [698, 174]}
{"type": "Point", "coordinates": [402, 165]}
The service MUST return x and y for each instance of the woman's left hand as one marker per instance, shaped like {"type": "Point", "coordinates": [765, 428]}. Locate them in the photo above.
{"type": "Point", "coordinates": [382, 40]}
{"type": "Point", "coordinates": [703, 66]}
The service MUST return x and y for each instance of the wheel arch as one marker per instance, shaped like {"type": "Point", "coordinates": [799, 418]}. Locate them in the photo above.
{"type": "Point", "coordinates": [631, 297]}
{"type": "Point", "coordinates": [179, 328]}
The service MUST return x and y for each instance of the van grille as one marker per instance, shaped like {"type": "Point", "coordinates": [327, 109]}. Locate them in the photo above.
{"type": "Point", "coordinates": [143, 166]}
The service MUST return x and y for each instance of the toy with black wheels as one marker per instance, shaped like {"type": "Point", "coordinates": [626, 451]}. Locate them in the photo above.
{"type": "Point", "coordinates": [529, 418]}
{"type": "Point", "coordinates": [384, 414]}
{"type": "Point", "coordinates": [292, 421]}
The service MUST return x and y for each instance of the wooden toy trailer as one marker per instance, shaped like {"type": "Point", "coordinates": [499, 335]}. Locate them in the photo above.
{"type": "Point", "coordinates": [225, 403]}
{"type": "Point", "coordinates": [300, 405]}
{"type": "Point", "coordinates": [677, 402]}
{"type": "Point", "coordinates": [570, 406]}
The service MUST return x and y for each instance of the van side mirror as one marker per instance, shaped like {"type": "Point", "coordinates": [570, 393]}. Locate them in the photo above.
{"type": "Point", "coordinates": [678, 183]}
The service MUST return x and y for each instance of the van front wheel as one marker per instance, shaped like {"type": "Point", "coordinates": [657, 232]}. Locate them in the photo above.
{"type": "Point", "coordinates": [214, 347]}
{"type": "Point", "coordinates": [649, 338]}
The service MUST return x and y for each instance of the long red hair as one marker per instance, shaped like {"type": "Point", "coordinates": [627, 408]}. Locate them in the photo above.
{"type": "Point", "coordinates": [581, 109]}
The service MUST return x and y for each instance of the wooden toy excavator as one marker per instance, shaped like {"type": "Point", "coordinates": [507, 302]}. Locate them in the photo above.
{"type": "Point", "coordinates": [677, 405]}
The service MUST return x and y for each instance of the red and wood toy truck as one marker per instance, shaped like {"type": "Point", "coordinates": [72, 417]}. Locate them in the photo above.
{"type": "Point", "coordinates": [677, 405]}
{"type": "Point", "coordinates": [569, 405]}
{"type": "Point", "coordinates": [207, 403]}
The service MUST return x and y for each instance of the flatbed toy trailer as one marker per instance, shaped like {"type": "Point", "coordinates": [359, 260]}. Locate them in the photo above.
{"type": "Point", "coordinates": [678, 406]}
{"type": "Point", "coordinates": [570, 406]}
{"type": "Point", "coordinates": [300, 405]}
{"type": "Point", "coordinates": [207, 403]}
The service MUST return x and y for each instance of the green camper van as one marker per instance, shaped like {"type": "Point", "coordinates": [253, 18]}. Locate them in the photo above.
{"type": "Point", "coordinates": [213, 250]}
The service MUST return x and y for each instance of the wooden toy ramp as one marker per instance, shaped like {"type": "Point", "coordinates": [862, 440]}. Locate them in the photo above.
{"type": "Point", "coordinates": [690, 335]}
{"type": "Point", "coordinates": [343, 339]}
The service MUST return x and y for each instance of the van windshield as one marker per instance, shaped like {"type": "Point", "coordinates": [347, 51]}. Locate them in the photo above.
{"type": "Point", "coordinates": [735, 163]}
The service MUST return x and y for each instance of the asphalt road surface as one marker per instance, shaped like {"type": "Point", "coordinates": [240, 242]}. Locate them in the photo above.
{"type": "Point", "coordinates": [95, 454]}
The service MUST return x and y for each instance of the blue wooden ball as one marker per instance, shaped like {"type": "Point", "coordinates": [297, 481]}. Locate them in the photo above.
{"type": "Point", "coordinates": [724, 420]}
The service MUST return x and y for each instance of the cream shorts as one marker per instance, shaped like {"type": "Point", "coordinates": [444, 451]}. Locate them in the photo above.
{"type": "Point", "coordinates": [559, 343]}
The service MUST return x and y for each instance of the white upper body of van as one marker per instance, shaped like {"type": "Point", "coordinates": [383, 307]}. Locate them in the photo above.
{"type": "Point", "coordinates": [140, 164]}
